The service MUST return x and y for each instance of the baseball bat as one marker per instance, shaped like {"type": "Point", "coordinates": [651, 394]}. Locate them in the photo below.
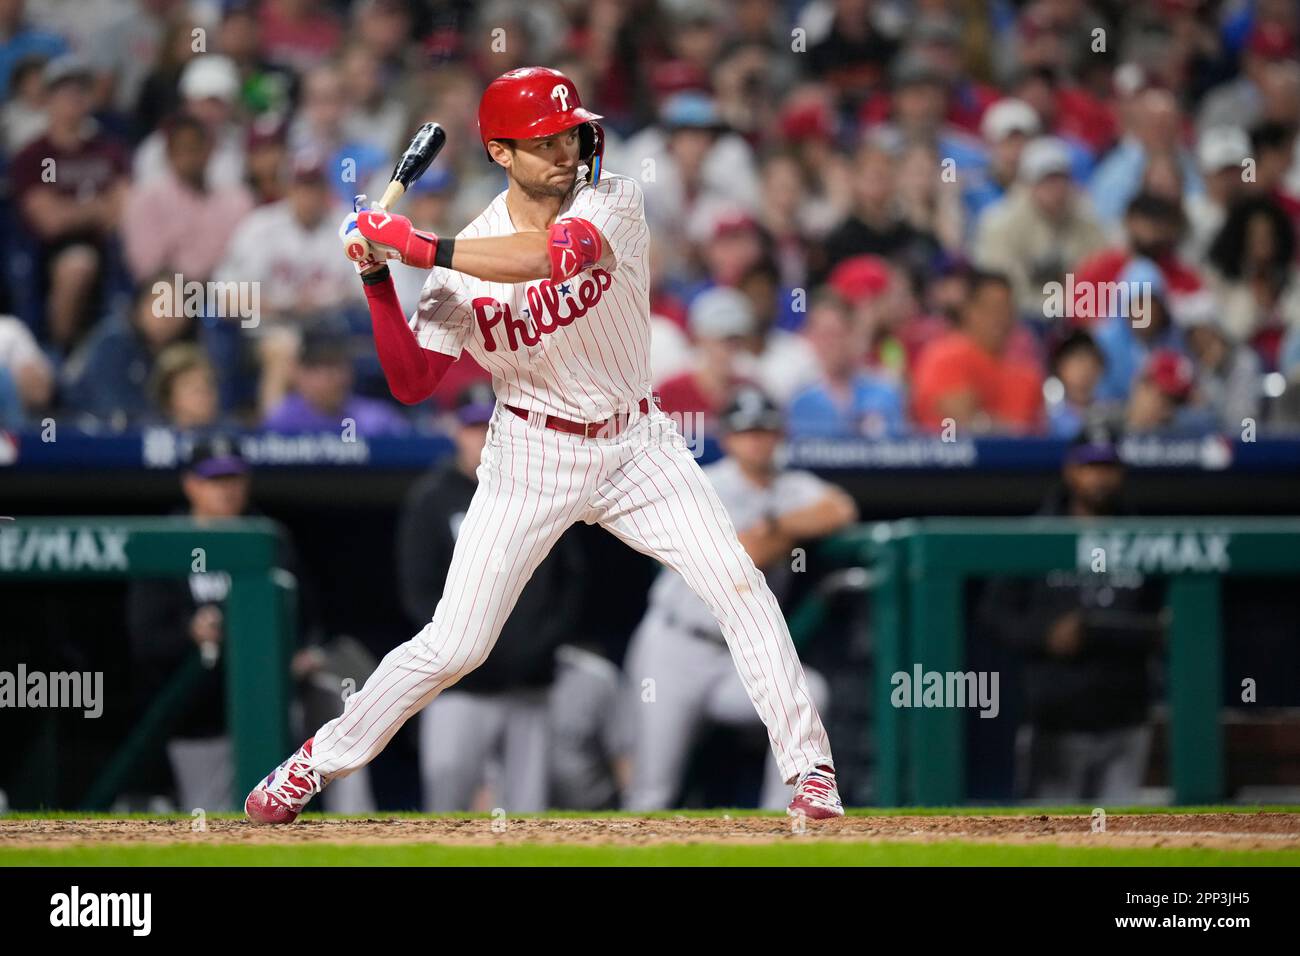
{"type": "Point", "coordinates": [425, 145]}
{"type": "Point", "coordinates": [427, 142]}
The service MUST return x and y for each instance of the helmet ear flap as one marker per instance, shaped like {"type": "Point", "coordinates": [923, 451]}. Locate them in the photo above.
{"type": "Point", "coordinates": [591, 149]}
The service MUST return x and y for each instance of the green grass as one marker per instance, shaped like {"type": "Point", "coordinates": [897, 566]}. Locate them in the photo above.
{"type": "Point", "coordinates": [949, 853]}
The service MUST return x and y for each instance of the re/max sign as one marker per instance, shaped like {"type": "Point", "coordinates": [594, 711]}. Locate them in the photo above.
{"type": "Point", "coordinates": [1166, 552]}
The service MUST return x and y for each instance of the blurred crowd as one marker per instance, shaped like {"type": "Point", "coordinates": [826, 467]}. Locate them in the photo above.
{"type": "Point", "coordinates": [895, 216]}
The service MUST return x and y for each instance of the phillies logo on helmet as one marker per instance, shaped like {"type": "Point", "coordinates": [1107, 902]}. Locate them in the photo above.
{"type": "Point", "coordinates": [535, 101]}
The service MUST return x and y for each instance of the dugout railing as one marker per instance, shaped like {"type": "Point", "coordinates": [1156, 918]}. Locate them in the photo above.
{"type": "Point", "coordinates": [260, 612]}
{"type": "Point", "coordinates": [919, 568]}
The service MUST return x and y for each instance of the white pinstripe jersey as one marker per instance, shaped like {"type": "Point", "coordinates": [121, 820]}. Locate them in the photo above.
{"type": "Point", "coordinates": [579, 349]}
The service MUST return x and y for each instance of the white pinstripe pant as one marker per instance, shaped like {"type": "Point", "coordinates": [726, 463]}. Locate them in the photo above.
{"type": "Point", "coordinates": [533, 483]}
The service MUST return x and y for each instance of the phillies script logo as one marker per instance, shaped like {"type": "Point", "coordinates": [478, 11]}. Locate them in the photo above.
{"type": "Point", "coordinates": [546, 311]}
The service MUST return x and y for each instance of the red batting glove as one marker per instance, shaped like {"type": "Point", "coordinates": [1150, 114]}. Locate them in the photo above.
{"type": "Point", "coordinates": [413, 246]}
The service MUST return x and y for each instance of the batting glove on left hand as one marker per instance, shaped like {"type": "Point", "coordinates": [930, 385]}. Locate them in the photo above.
{"type": "Point", "coordinates": [355, 246]}
{"type": "Point", "coordinates": [394, 237]}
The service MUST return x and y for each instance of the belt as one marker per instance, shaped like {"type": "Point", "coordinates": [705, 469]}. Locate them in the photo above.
{"type": "Point", "coordinates": [606, 429]}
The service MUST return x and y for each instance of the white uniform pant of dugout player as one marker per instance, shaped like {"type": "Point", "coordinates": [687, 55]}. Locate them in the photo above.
{"type": "Point", "coordinates": [695, 683]}
{"type": "Point", "coordinates": [645, 487]}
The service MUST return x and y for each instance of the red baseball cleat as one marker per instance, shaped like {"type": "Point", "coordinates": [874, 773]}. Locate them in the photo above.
{"type": "Point", "coordinates": [815, 795]}
{"type": "Point", "coordinates": [283, 794]}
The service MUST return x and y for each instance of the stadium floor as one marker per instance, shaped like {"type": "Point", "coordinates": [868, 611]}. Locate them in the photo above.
{"type": "Point", "coordinates": [1215, 836]}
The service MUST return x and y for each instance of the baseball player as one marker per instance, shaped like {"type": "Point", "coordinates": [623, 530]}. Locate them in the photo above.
{"type": "Point", "coordinates": [678, 645]}
{"type": "Point", "coordinates": [548, 289]}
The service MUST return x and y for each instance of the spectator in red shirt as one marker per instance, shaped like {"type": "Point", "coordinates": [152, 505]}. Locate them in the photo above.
{"type": "Point", "coordinates": [967, 377]}
{"type": "Point", "coordinates": [1154, 228]}
{"type": "Point", "coordinates": [69, 185]}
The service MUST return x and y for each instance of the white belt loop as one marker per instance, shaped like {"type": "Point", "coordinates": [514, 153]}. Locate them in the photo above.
{"type": "Point", "coordinates": [536, 419]}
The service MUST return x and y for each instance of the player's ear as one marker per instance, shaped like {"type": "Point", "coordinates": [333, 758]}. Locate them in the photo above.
{"type": "Point", "coordinates": [502, 152]}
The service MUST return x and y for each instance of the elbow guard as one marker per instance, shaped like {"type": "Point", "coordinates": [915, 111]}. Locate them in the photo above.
{"type": "Point", "coordinates": [574, 245]}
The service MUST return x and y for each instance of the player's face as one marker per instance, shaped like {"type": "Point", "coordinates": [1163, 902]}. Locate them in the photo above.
{"type": "Point", "coordinates": [1096, 487]}
{"type": "Point", "coordinates": [545, 166]}
{"type": "Point", "coordinates": [754, 449]}
{"type": "Point", "coordinates": [224, 497]}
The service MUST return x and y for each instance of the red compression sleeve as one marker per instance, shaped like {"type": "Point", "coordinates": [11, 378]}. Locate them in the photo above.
{"type": "Point", "coordinates": [413, 372]}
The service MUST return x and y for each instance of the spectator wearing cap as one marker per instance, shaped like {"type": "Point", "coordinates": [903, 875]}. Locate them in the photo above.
{"type": "Point", "coordinates": [1154, 227]}
{"type": "Point", "coordinates": [968, 379]}
{"type": "Point", "coordinates": [697, 162]}
{"type": "Point", "coordinates": [1153, 125]}
{"type": "Point", "coordinates": [107, 379]}
{"type": "Point", "coordinates": [1006, 128]}
{"type": "Point", "coordinates": [322, 399]}
{"type": "Point", "coordinates": [678, 642]}
{"type": "Point", "coordinates": [26, 377]}
{"type": "Point", "coordinates": [183, 386]}
{"type": "Point", "coordinates": [1252, 270]}
{"type": "Point", "coordinates": [501, 711]}
{"type": "Point", "coordinates": [172, 620]}
{"type": "Point", "coordinates": [209, 89]}
{"type": "Point", "coordinates": [159, 217]}
{"type": "Point", "coordinates": [1163, 398]}
{"type": "Point", "coordinates": [1143, 324]}
{"type": "Point", "coordinates": [19, 39]}
{"type": "Point", "coordinates": [1221, 152]}
{"type": "Point", "coordinates": [1039, 229]}
{"type": "Point", "coordinates": [290, 251]}
{"type": "Point", "coordinates": [875, 225]}
{"type": "Point", "coordinates": [883, 307]}
{"type": "Point", "coordinates": [847, 400]}
{"type": "Point", "coordinates": [71, 215]}
{"type": "Point", "coordinates": [1071, 391]}
{"type": "Point", "coordinates": [1087, 642]}
{"type": "Point", "coordinates": [722, 325]}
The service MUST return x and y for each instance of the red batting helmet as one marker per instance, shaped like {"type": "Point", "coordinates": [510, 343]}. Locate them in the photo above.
{"type": "Point", "coordinates": [538, 101]}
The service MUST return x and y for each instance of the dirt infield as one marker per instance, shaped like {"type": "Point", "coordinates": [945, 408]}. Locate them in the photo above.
{"type": "Point", "coordinates": [1235, 831]}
